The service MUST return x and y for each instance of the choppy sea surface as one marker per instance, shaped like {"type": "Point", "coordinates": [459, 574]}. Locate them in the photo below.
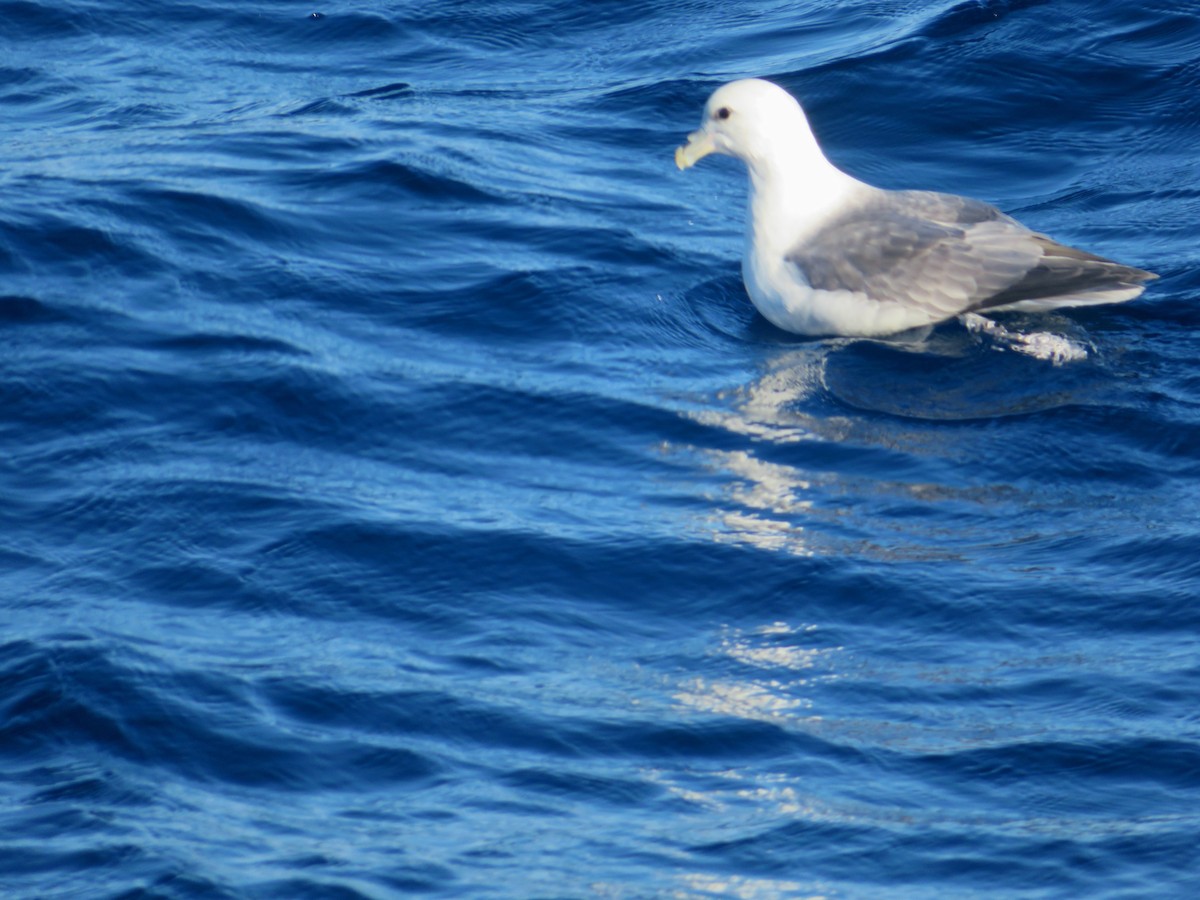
{"type": "Point", "coordinates": [399, 494]}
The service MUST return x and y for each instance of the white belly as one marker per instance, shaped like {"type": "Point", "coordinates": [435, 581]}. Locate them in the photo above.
{"type": "Point", "coordinates": [785, 299]}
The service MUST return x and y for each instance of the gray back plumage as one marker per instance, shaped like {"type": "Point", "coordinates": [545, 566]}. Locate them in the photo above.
{"type": "Point", "coordinates": [949, 255]}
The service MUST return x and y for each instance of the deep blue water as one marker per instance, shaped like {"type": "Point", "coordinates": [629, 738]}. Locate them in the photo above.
{"type": "Point", "coordinates": [398, 492]}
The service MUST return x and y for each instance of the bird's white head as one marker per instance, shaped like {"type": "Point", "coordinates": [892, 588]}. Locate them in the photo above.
{"type": "Point", "coordinates": [751, 119]}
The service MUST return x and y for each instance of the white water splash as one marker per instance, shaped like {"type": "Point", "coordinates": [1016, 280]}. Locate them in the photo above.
{"type": "Point", "coordinates": [1056, 348]}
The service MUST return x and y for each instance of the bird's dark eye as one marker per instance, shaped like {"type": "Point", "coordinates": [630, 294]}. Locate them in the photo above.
{"type": "Point", "coordinates": [723, 112]}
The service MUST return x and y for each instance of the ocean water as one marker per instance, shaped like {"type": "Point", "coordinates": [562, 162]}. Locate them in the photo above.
{"type": "Point", "coordinates": [399, 494]}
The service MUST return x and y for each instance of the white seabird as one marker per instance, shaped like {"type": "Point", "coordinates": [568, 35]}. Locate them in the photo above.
{"type": "Point", "coordinates": [827, 254]}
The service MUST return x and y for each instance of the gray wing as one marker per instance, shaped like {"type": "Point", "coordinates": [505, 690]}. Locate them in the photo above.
{"type": "Point", "coordinates": [949, 254]}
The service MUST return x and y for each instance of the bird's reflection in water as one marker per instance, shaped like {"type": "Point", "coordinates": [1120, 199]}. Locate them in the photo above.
{"type": "Point", "coordinates": [846, 447]}
{"type": "Point", "coordinates": [769, 407]}
{"type": "Point", "coordinates": [777, 663]}
{"type": "Point", "coordinates": [759, 502]}
{"type": "Point", "coordinates": [773, 672]}
{"type": "Point", "coordinates": [748, 887]}
{"type": "Point", "coordinates": [769, 498]}
{"type": "Point", "coordinates": [867, 454]}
